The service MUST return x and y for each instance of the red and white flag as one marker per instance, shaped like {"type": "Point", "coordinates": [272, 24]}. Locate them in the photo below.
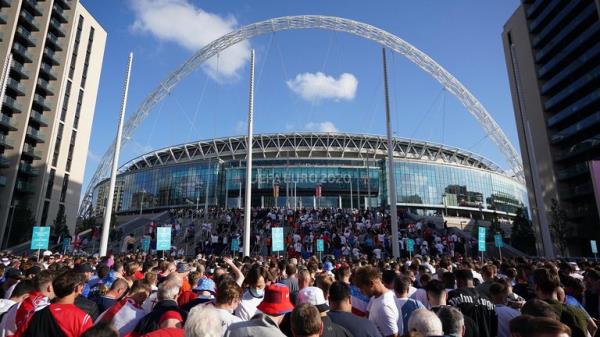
{"type": "Point", "coordinates": [124, 316]}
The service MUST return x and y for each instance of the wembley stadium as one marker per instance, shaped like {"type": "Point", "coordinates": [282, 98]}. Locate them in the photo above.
{"type": "Point", "coordinates": [314, 170]}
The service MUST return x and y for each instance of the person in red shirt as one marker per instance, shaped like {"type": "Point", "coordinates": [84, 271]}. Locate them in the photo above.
{"type": "Point", "coordinates": [36, 300]}
{"type": "Point", "coordinates": [171, 325]}
{"type": "Point", "coordinates": [61, 318]}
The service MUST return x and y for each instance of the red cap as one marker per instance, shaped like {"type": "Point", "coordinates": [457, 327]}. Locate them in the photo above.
{"type": "Point", "coordinates": [171, 314]}
{"type": "Point", "coordinates": [276, 301]}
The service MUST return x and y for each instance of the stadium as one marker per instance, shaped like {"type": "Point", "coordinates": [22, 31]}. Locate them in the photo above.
{"type": "Point", "coordinates": [314, 170]}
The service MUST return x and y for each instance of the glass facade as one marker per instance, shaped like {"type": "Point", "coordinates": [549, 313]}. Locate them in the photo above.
{"type": "Point", "coordinates": [294, 181]}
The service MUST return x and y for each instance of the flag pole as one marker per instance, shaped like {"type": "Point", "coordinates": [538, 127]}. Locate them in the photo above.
{"type": "Point", "coordinates": [248, 193]}
{"type": "Point", "coordinates": [115, 163]}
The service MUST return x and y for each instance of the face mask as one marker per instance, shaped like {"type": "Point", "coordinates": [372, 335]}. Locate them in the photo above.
{"type": "Point", "coordinates": [257, 292]}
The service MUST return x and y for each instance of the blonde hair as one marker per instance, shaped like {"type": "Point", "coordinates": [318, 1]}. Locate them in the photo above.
{"type": "Point", "coordinates": [203, 321]}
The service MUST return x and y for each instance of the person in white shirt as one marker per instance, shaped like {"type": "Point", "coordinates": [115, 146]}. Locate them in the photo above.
{"type": "Point", "coordinates": [254, 294]}
{"type": "Point", "coordinates": [382, 309]}
{"type": "Point", "coordinates": [20, 292]}
{"type": "Point", "coordinates": [227, 299]}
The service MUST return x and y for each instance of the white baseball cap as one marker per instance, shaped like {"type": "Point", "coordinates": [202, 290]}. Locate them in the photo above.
{"type": "Point", "coordinates": [314, 296]}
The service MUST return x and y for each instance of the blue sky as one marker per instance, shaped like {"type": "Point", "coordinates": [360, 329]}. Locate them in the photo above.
{"type": "Point", "coordinates": [463, 36]}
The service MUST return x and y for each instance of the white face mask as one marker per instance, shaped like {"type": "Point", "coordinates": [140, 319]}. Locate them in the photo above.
{"type": "Point", "coordinates": [257, 292]}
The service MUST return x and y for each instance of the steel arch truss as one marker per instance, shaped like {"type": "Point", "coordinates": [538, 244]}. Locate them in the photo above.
{"type": "Point", "coordinates": [309, 145]}
{"type": "Point", "coordinates": [386, 39]}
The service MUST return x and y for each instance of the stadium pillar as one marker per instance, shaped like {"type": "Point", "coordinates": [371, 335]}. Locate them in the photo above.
{"type": "Point", "coordinates": [390, 164]}
{"type": "Point", "coordinates": [115, 164]}
{"type": "Point", "coordinates": [249, 161]}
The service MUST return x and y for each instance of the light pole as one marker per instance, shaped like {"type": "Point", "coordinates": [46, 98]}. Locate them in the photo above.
{"type": "Point", "coordinates": [351, 197]}
{"type": "Point", "coordinates": [444, 203]}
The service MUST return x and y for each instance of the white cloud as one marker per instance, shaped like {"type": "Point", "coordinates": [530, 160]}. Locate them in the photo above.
{"type": "Point", "coordinates": [321, 127]}
{"type": "Point", "coordinates": [191, 27]}
{"type": "Point", "coordinates": [91, 156]}
{"type": "Point", "coordinates": [318, 86]}
{"type": "Point", "coordinates": [240, 127]}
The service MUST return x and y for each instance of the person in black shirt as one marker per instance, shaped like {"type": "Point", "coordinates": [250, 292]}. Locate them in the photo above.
{"type": "Point", "coordinates": [470, 302]}
{"type": "Point", "coordinates": [341, 312]}
{"type": "Point", "coordinates": [436, 296]}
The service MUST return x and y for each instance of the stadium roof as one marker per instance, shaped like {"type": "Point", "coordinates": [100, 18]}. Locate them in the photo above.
{"type": "Point", "coordinates": [309, 145]}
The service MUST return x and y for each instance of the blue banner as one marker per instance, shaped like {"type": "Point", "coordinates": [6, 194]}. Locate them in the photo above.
{"type": "Point", "coordinates": [163, 238]}
{"type": "Point", "coordinates": [66, 244]}
{"type": "Point", "coordinates": [320, 245]}
{"type": "Point", "coordinates": [498, 241]}
{"type": "Point", "coordinates": [277, 239]}
{"type": "Point", "coordinates": [481, 238]}
{"type": "Point", "coordinates": [40, 237]}
{"type": "Point", "coordinates": [410, 245]}
{"type": "Point", "coordinates": [146, 244]}
{"type": "Point", "coordinates": [594, 246]}
{"type": "Point", "coordinates": [235, 245]}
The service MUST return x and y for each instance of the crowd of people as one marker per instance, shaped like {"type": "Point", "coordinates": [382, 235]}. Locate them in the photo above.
{"type": "Point", "coordinates": [352, 288]}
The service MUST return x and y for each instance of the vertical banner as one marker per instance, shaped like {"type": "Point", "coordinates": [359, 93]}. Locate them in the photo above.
{"type": "Point", "coordinates": [66, 244]}
{"type": "Point", "coordinates": [318, 191]}
{"type": "Point", "coordinates": [594, 246]}
{"type": "Point", "coordinates": [498, 240]}
{"type": "Point", "coordinates": [320, 245]}
{"type": "Point", "coordinates": [163, 238]}
{"type": "Point", "coordinates": [276, 191]}
{"type": "Point", "coordinates": [40, 237]}
{"type": "Point", "coordinates": [410, 245]}
{"type": "Point", "coordinates": [481, 238]}
{"type": "Point", "coordinates": [277, 239]}
{"type": "Point", "coordinates": [235, 245]}
{"type": "Point", "coordinates": [146, 244]}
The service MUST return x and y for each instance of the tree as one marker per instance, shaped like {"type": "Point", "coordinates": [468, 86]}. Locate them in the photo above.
{"type": "Point", "coordinates": [522, 236]}
{"type": "Point", "coordinates": [559, 226]}
{"type": "Point", "coordinates": [495, 227]}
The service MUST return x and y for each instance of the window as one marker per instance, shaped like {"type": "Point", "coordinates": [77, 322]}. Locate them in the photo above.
{"type": "Point", "coordinates": [50, 184]}
{"type": "Point", "coordinates": [87, 58]}
{"type": "Point", "coordinates": [71, 150]}
{"type": "Point", "coordinates": [45, 213]}
{"type": "Point", "coordinates": [65, 105]}
{"type": "Point", "coordinates": [78, 110]}
{"type": "Point", "coordinates": [65, 186]}
{"type": "Point", "coordinates": [76, 47]}
{"type": "Point", "coordinates": [57, 144]}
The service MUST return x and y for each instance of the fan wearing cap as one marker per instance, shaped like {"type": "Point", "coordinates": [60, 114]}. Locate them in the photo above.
{"type": "Point", "coordinates": [90, 307]}
{"type": "Point", "coordinates": [274, 306]}
{"type": "Point", "coordinates": [171, 325]}
{"type": "Point", "coordinates": [315, 296]}
{"type": "Point", "coordinates": [205, 292]}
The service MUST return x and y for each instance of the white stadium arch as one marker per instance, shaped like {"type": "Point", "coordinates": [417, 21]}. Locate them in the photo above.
{"type": "Point", "coordinates": [360, 29]}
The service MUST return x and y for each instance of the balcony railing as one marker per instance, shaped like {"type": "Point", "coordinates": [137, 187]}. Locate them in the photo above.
{"type": "Point", "coordinates": [29, 170]}
{"type": "Point", "coordinates": [4, 162]}
{"type": "Point", "coordinates": [33, 6]}
{"type": "Point", "coordinates": [21, 51]}
{"type": "Point", "coordinates": [7, 123]}
{"type": "Point", "coordinates": [5, 142]}
{"type": "Point", "coordinates": [5, 3]}
{"type": "Point", "coordinates": [60, 13]}
{"type": "Point", "coordinates": [26, 36]}
{"type": "Point", "coordinates": [41, 102]}
{"type": "Point", "coordinates": [57, 25]}
{"type": "Point", "coordinates": [32, 152]}
{"type": "Point", "coordinates": [29, 20]}
{"type": "Point", "coordinates": [35, 135]}
{"type": "Point", "coordinates": [53, 39]}
{"type": "Point", "coordinates": [2, 181]}
{"type": "Point", "coordinates": [16, 86]}
{"type": "Point", "coordinates": [12, 104]}
{"type": "Point", "coordinates": [24, 187]}
{"type": "Point", "coordinates": [38, 117]}
{"type": "Point", "coordinates": [51, 55]}
{"type": "Point", "coordinates": [46, 69]}
{"type": "Point", "coordinates": [19, 68]}
{"type": "Point", "coordinates": [45, 86]}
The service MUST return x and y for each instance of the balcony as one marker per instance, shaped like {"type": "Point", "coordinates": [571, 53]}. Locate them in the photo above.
{"type": "Point", "coordinates": [5, 142]}
{"type": "Point", "coordinates": [35, 135]}
{"type": "Point", "coordinates": [45, 86]}
{"type": "Point", "coordinates": [15, 86]}
{"type": "Point", "coordinates": [53, 41]}
{"type": "Point", "coordinates": [26, 37]}
{"type": "Point", "coordinates": [7, 123]}
{"type": "Point", "coordinates": [57, 27]}
{"type": "Point", "coordinates": [19, 69]}
{"type": "Point", "coordinates": [50, 55]}
{"type": "Point", "coordinates": [4, 162]}
{"type": "Point", "coordinates": [5, 3]}
{"type": "Point", "coordinates": [27, 19]}
{"type": "Point", "coordinates": [40, 101]}
{"type": "Point", "coordinates": [31, 152]}
{"type": "Point", "coordinates": [63, 3]}
{"type": "Point", "coordinates": [24, 187]}
{"type": "Point", "coordinates": [2, 19]}
{"type": "Point", "coordinates": [46, 70]}
{"type": "Point", "coordinates": [21, 51]}
{"type": "Point", "coordinates": [28, 170]}
{"type": "Point", "coordinates": [38, 118]}
{"type": "Point", "coordinates": [59, 12]}
{"type": "Point", "coordinates": [32, 6]}
{"type": "Point", "coordinates": [11, 104]}
{"type": "Point", "coordinates": [2, 181]}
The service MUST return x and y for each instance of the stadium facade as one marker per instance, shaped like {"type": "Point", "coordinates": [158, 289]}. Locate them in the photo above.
{"type": "Point", "coordinates": [314, 169]}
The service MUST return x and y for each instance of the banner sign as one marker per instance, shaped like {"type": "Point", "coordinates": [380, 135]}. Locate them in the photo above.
{"type": "Point", "coordinates": [163, 238]}
{"type": "Point", "coordinates": [40, 237]}
{"type": "Point", "coordinates": [318, 191]}
{"type": "Point", "coordinates": [498, 240]}
{"type": "Point", "coordinates": [146, 244]}
{"type": "Point", "coordinates": [320, 245]}
{"type": "Point", "coordinates": [235, 245]}
{"type": "Point", "coordinates": [481, 238]}
{"type": "Point", "coordinates": [594, 246]}
{"type": "Point", "coordinates": [277, 239]}
{"type": "Point", "coordinates": [66, 244]}
{"type": "Point", "coordinates": [276, 191]}
{"type": "Point", "coordinates": [410, 245]}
